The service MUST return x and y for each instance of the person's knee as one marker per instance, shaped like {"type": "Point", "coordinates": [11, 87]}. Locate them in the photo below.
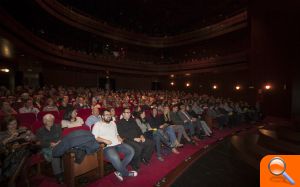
{"type": "Point", "coordinates": [113, 157]}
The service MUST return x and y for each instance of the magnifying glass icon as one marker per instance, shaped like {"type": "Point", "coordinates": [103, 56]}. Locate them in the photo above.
{"type": "Point", "coordinates": [277, 167]}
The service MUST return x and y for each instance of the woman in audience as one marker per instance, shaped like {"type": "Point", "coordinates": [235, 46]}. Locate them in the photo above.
{"type": "Point", "coordinates": [50, 106]}
{"type": "Point", "coordinates": [29, 108]}
{"type": "Point", "coordinates": [6, 109]}
{"type": "Point", "coordinates": [71, 119]}
{"type": "Point", "coordinates": [13, 146]}
{"type": "Point", "coordinates": [114, 118]}
{"type": "Point", "coordinates": [156, 134]}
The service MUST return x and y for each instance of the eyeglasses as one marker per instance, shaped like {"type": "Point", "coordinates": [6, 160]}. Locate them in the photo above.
{"type": "Point", "coordinates": [127, 112]}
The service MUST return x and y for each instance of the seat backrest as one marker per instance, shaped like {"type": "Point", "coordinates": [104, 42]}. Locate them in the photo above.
{"type": "Point", "coordinates": [84, 113]}
{"type": "Point", "coordinates": [119, 111]}
{"type": "Point", "coordinates": [35, 126]}
{"type": "Point", "coordinates": [26, 119]}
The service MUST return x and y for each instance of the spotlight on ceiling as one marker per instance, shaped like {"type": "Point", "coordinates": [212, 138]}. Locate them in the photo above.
{"type": "Point", "coordinates": [237, 87]}
{"type": "Point", "coordinates": [172, 83]}
{"type": "Point", "coordinates": [215, 87]}
{"type": "Point", "coordinates": [188, 84]}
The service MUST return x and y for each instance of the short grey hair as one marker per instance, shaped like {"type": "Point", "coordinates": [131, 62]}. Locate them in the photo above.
{"type": "Point", "coordinates": [48, 117]}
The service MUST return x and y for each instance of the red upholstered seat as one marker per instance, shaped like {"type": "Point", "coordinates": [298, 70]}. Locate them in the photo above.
{"type": "Point", "coordinates": [84, 113]}
{"type": "Point", "coordinates": [36, 125]}
{"type": "Point", "coordinates": [61, 113]}
{"type": "Point", "coordinates": [26, 119]}
{"type": "Point", "coordinates": [119, 111]}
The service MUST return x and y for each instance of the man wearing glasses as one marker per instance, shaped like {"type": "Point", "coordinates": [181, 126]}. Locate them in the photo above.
{"type": "Point", "coordinates": [106, 131]}
{"type": "Point", "coordinates": [132, 135]}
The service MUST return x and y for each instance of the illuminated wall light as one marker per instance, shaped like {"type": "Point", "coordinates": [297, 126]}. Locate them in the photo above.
{"type": "Point", "coordinates": [188, 84]}
{"type": "Point", "coordinates": [215, 87]}
{"type": "Point", "coordinates": [172, 83]}
{"type": "Point", "coordinates": [268, 87]}
{"type": "Point", "coordinates": [5, 70]}
{"type": "Point", "coordinates": [172, 76]}
{"type": "Point", "coordinates": [237, 87]}
{"type": "Point", "coordinates": [251, 87]}
{"type": "Point", "coordinates": [187, 74]}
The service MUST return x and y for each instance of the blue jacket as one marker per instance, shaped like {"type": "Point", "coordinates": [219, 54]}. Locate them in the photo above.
{"type": "Point", "coordinates": [79, 139]}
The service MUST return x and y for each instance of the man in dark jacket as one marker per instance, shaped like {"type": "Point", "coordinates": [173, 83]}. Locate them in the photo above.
{"type": "Point", "coordinates": [49, 137]}
{"type": "Point", "coordinates": [132, 135]}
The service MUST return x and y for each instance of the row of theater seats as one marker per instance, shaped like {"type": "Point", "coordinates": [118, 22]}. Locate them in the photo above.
{"type": "Point", "coordinates": [33, 121]}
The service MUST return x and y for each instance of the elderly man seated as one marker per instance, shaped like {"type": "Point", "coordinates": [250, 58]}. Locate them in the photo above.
{"type": "Point", "coordinates": [94, 118]}
{"type": "Point", "coordinates": [49, 136]}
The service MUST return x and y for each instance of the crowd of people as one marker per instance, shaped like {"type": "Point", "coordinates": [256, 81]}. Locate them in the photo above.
{"type": "Point", "coordinates": [133, 122]}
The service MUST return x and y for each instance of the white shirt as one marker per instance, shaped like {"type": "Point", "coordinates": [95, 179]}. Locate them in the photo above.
{"type": "Point", "coordinates": [106, 131]}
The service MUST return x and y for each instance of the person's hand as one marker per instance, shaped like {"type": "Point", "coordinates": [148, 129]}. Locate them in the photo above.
{"type": "Point", "coordinates": [52, 144]}
{"type": "Point", "coordinates": [143, 139]}
{"type": "Point", "coordinates": [108, 142]}
{"type": "Point", "coordinates": [14, 135]}
{"type": "Point", "coordinates": [185, 121]}
{"type": "Point", "coordinates": [120, 140]}
{"type": "Point", "coordinates": [161, 127]}
{"type": "Point", "coordinates": [137, 139]}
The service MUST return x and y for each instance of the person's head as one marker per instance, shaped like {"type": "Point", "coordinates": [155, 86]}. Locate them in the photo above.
{"type": "Point", "coordinates": [70, 113]}
{"type": "Point", "coordinates": [66, 99]}
{"type": "Point", "coordinates": [11, 123]}
{"type": "Point", "coordinates": [50, 102]}
{"type": "Point", "coordinates": [154, 111]}
{"type": "Point", "coordinates": [126, 113]}
{"type": "Point", "coordinates": [182, 107]}
{"type": "Point", "coordinates": [175, 108]}
{"type": "Point", "coordinates": [112, 111]}
{"type": "Point", "coordinates": [29, 103]}
{"type": "Point", "coordinates": [48, 120]}
{"type": "Point", "coordinates": [106, 116]}
{"type": "Point", "coordinates": [80, 100]}
{"type": "Point", "coordinates": [142, 114]}
{"type": "Point", "coordinates": [5, 106]}
{"type": "Point", "coordinates": [95, 111]}
{"type": "Point", "coordinates": [166, 109]}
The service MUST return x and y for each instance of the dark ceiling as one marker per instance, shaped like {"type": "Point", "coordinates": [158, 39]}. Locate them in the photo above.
{"type": "Point", "coordinates": [158, 17]}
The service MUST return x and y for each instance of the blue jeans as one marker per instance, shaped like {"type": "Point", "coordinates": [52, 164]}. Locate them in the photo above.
{"type": "Point", "coordinates": [112, 155]}
{"type": "Point", "coordinates": [191, 127]}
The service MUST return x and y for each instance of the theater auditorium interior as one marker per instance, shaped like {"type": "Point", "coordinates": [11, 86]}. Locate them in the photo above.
{"type": "Point", "coordinates": [210, 87]}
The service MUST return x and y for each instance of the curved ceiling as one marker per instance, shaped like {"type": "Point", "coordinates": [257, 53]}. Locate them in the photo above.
{"type": "Point", "coordinates": [157, 17]}
{"type": "Point", "coordinates": [84, 22]}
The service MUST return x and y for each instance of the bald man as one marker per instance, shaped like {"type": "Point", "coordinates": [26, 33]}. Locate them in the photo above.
{"type": "Point", "coordinates": [94, 118]}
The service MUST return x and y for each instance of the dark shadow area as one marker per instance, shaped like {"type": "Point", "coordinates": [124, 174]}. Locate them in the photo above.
{"type": "Point", "coordinates": [219, 167]}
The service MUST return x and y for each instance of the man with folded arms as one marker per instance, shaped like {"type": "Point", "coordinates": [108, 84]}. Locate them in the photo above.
{"type": "Point", "coordinates": [132, 135]}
